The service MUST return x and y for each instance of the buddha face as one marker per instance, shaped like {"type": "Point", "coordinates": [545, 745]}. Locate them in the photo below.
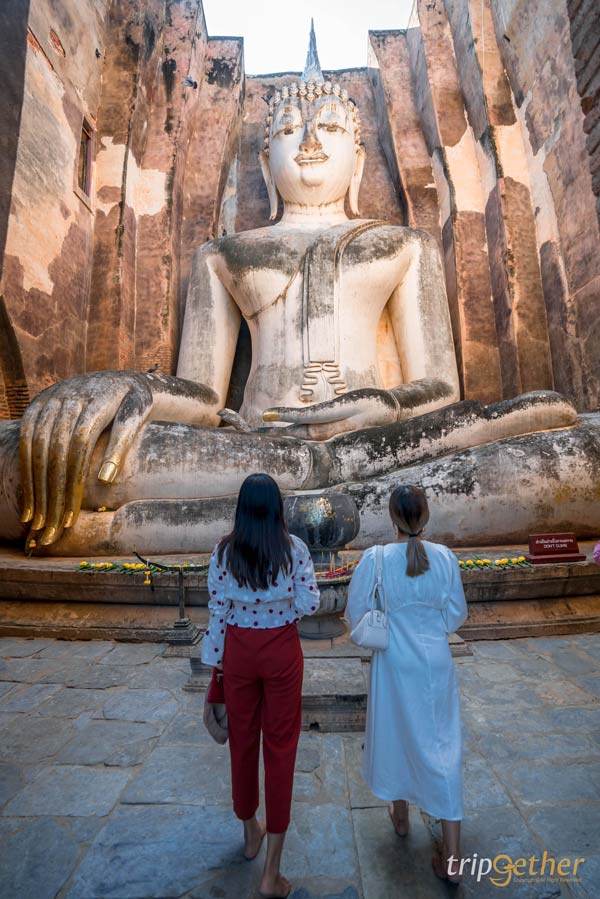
{"type": "Point", "coordinates": [312, 152]}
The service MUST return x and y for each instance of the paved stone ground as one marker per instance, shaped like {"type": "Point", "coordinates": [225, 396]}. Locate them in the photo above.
{"type": "Point", "coordinates": [111, 789]}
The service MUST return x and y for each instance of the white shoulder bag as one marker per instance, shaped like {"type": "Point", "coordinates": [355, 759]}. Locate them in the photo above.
{"type": "Point", "coordinates": [372, 631]}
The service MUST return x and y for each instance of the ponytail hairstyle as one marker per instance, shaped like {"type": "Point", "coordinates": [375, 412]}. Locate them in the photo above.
{"type": "Point", "coordinates": [259, 545]}
{"type": "Point", "coordinates": [410, 513]}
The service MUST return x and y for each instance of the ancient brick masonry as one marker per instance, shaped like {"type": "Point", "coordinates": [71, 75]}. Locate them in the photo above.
{"type": "Point", "coordinates": [481, 126]}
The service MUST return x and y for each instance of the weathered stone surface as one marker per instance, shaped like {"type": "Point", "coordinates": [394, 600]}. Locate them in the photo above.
{"type": "Point", "coordinates": [166, 861]}
{"type": "Point", "coordinates": [309, 852]}
{"type": "Point", "coordinates": [11, 781]}
{"type": "Point", "coordinates": [563, 832]}
{"type": "Point", "coordinates": [132, 654]}
{"type": "Point", "coordinates": [72, 701]}
{"type": "Point", "coordinates": [177, 774]}
{"type": "Point", "coordinates": [404, 144]}
{"type": "Point", "coordinates": [49, 236]}
{"type": "Point", "coordinates": [140, 705]}
{"type": "Point", "coordinates": [394, 867]}
{"type": "Point", "coordinates": [36, 858]}
{"type": "Point", "coordinates": [549, 784]}
{"type": "Point", "coordinates": [101, 742]}
{"type": "Point", "coordinates": [69, 790]}
{"type": "Point", "coordinates": [26, 698]}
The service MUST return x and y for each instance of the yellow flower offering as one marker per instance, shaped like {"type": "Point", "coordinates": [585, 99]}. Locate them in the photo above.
{"type": "Point", "coordinates": [498, 562]}
{"type": "Point", "coordinates": [469, 563]}
{"type": "Point", "coordinates": [84, 564]}
{"type": "Point", "coordinates": [521, 558]}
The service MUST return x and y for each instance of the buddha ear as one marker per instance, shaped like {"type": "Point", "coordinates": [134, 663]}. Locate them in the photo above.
{"type": "Point", "coordinates": [271, 189]}
{"type": "Point", "coordinates": [356, 179]}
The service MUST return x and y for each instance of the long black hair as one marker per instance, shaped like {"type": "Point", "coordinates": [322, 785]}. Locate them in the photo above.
{"type": "Point", "coordinates": [259, 545]}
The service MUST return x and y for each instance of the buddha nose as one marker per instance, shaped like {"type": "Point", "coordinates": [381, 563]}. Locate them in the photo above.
{"type": "Point", "coordinates": [310, 142]}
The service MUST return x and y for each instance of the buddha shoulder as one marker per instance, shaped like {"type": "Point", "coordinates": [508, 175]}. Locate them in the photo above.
{"type": "Point", "coordinates": [385, 242]}
{"type": "Point", "coordinates": [260, 248]}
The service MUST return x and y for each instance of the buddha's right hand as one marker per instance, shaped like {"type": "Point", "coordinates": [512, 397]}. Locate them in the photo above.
{"type": "Point", "coordinates": [62, 425]}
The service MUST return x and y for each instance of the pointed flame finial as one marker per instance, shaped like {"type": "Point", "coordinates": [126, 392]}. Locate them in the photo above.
{"type": "Point", "coordinates": [312, 69]}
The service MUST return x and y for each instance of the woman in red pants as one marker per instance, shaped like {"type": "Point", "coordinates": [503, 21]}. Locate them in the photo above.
{"type": "Point", "coordinates": [261, 581]}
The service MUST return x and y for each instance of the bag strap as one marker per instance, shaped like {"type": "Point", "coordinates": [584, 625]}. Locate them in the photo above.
{"type": "Point", "coordinates": [379, 588]}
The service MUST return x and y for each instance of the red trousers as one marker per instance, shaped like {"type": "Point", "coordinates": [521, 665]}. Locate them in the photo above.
{"type": "Point", "coordinates": [262, 675]}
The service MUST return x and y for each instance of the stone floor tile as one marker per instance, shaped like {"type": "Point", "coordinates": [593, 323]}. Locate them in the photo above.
{"type": "Point", "coordinates": [324, 892]}
{"type": "Point", "coordinates": [328, 782]}
{"type": "Point", "coordinates": [132, 653]}
{"type": "Point", "coordinates": [360, 794]}
{"type": "Point", "coordinates": [579, 719]}
{"type": "Point", "coordinates": [567, 829]}
{"type": "Point", "coordinates": [69, 790]}
{"type": "Point", "coordinates": [27, 698]}
{"type": "Point", "coordinates": [100, 741]}
{"type": "Point", "coordinates": [498, 672]}
{"type": "Point", "coordinates": [481, 787]}
{"type": "Point", "coordinates": [183, 775]}
{"type": "Point", "coordinates": [19, 647]}
{"type": "Point", "coordinates": [140, 705]}
{"type": "Point", "coordinates": [163, 857]}
{"type": "Point", "coordinates": [75, 649]}
{"type": "Point", "coordinates": [503, 746]}
{"type": "Point", "coordinates": [323, 849]}
{"type": "Point", "coordinates": [591, 685]}
{"type": "Point", "coordinates": [70, 702]}
{"type": "Point", "coordinates": [589, 878]}
{"type": "Point", "coordinates": [393, 867]}
{"type": "Point", "coordinates": [187, 727]}
{"type": "Point", "coordinates": [11, 781]}
{"type": "Point", "coordinates": [8, 685]}
{"type": "Point", "coordinates": [562, 691]}
{"type": "Point", "coordinates": [534, 665]}
{"type": "Point", "coordinates": [36, 858]}
{"type": "Point", "coordinates": [590, 643]}
{"type": "Point", "coordinates": [546, 784]}
{"type": "Point", "coordinates": [30, 670]}
{"type": "Point", "coordinates": [169, 676]}
{"type": "Point", "coordinates": [543, 644]}
{"type": "Point", "coordinates": [86, 674]}
{"type": "Point", "coordinates": [500, 650]}
{"type": "Point", "coordinates": [574, 661]}
{"type": "Point", "coordinates": [308, 756]}
{"type": "Point", "coordinates": [31, 739]}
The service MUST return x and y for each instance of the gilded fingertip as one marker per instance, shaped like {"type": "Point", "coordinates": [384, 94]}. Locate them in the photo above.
{"type": "Point", "coordinates": [27, 515]}
{"type": "Point", "coordinates": [38, 522]}
{"type": "Point", "coordinates": [68, 519]}
{"type": "Point", "coordinates": [107, 472]}
{"type": "Point", "coordinates": [48, 536]}
{"type": "Point", "coordinates": [271, 416]}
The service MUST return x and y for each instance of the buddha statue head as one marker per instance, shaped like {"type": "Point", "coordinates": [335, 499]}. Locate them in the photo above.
{"type": "Point", "coordinates": [312, 153]}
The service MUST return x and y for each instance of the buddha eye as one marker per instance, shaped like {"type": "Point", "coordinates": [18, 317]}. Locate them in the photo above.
{"type": "Point", "coordinates": [330, 126]}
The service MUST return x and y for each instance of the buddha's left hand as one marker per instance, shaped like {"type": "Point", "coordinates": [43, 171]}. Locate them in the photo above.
{"type": "Point", "coordinates": [366, 407]}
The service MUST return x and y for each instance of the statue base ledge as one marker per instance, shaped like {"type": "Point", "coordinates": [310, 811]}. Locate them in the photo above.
{"type": "Point", "coordinates": [51, 598]}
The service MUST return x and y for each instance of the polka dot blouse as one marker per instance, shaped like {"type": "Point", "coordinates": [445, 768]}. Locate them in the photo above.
{"type": "Point", "coordinates": [288, 598]}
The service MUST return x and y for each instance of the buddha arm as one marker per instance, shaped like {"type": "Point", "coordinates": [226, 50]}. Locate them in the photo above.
{"type": "Point", "coordinates": [210, 329]}
{"type": "Point", "coordinates": [420, 318]}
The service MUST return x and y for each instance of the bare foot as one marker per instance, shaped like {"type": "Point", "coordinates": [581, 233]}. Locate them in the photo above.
{"type": "Point", "coordinates": [254, 834]}
{"type": "Point", "coordinates": [400, 822]}
{"type": "Point", "coordinates": [439, 864]}
{"type": "Point", "coordinates": [275, 888]}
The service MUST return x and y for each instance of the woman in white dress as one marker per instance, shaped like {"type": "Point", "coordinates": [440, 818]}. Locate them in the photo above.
{"type": "Point", "coordinates": [413, 744]}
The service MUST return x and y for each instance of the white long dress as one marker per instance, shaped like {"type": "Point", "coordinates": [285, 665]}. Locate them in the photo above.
{"type": "Point", "coordinates": [413, 745]}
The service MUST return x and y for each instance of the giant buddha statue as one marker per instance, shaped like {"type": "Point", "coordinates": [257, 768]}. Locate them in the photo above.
{"type": "Point", "coordinates": [166, 459]}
